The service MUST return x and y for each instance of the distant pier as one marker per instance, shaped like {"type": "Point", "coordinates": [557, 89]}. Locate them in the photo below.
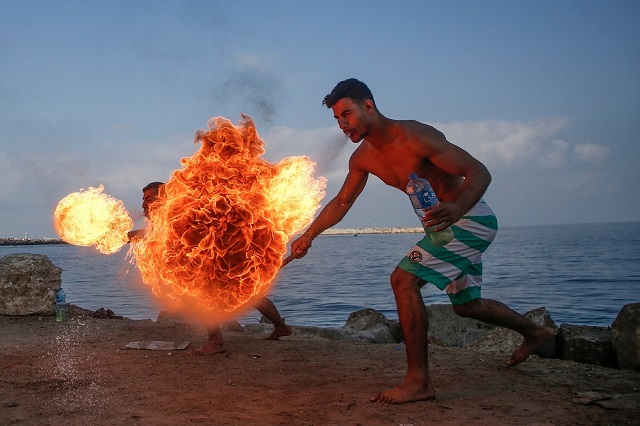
{"type": "Point", "coordinates": [30, 242]}
{"type": "Point", "coordinates": [355, 231]}
{"type": "Point", "coordinates": [332, 231]}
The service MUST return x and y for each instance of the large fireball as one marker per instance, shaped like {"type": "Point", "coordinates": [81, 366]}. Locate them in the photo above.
{"type": "Point", "coordinates": [218, 233]}
{"type": "Point", "coordinates": [92, 218]}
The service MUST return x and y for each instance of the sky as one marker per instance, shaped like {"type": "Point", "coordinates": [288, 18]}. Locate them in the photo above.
{"type": "Point", "coordinates": [546, 94]}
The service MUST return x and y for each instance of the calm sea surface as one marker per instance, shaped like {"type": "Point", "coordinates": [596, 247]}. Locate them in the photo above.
{"type": "Point", "coordinates": [582, 274]}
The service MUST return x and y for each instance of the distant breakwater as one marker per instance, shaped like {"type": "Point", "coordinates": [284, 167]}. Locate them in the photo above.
{"type": "Point", "coordinates": [33, 242]}
{"type": "Point", "coordinates": [354, 231]}
{"type": "Point", "coordinates": [332, 231]}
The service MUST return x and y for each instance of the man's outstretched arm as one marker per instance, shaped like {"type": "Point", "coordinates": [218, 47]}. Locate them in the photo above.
{"type": "Point", "coordinates": [332, 213]}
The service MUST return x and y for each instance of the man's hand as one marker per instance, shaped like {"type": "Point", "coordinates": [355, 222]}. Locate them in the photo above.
{"type": "Point", "coordinates": [300, 247]}
{"type": "Point", "coordinates": [443, 215]}
{"type": "Point", "coordinates": [135, 234]}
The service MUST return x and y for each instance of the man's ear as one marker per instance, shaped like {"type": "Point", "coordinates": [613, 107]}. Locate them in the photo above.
{"type": "Point", "coordinates": [369, 106]}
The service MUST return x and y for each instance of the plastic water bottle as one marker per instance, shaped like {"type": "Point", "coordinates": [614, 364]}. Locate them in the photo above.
{"type": "Point", "coordinates": [422, 196]}
{"type": "Point", "coordinates": [61, 305]}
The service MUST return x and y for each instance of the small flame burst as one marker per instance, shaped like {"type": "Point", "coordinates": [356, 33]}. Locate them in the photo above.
{"type": "Point", "coordinates": [92, 218]}
{"type": "Point", "coordinates": [218, 232]}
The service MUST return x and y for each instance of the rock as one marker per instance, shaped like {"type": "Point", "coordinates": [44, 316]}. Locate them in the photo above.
{"type": "Point", "coordinates": [504, 340]}
{"type": "Point", "coordinates": [587, 344]}
{"type": "Point", "coordinates": [448, 329]}
{"type": "Point", "coordinates": [232, 325]}
{"type": "Point", "coordinates": [625, 333]}
{"type": "Point", "coordinates": [375, 333]}
{"type": "Point", "coordinates": [171, 317]}
{"type": "Point", "coordinates": [106, 314]}
{"type": "Point", "coordinates": [378, 333]}
{"type": "Point", "coordinates": [28, 284]}
{"type": "Point", "coordinates": [374, 325]}
{"type": "Point", "coordinates": [74, 311]}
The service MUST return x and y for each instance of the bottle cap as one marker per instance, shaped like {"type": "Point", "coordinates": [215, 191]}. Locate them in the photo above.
{"type": "Point", "coordinates": [413, 176]}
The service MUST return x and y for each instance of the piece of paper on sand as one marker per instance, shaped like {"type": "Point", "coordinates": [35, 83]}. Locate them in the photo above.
{"type": "Point", "coordinates": [157, 345]}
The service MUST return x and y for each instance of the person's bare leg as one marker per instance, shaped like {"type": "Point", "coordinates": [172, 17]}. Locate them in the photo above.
{"type": "Point", "coordinates": [266, 307]}
{"type": "Point", "coordinates": [497, 313]}
{"type": "Point", "coordinates": [417, 385]}
{"type": "Point", "coordinates": [214, 345]}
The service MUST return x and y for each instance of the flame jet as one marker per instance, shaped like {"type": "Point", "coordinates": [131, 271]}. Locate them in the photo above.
{"type": "Point", "coordinates": [92, 218]}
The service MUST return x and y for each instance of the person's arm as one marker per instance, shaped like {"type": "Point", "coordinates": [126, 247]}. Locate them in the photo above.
{"type": "Point", "coordinates": [458, 162]}
{"type": "Point", "coordinates": [333, 212]}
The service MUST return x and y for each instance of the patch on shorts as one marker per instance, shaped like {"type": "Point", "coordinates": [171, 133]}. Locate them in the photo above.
{"type": "Point", "coordinates": [415, 256]}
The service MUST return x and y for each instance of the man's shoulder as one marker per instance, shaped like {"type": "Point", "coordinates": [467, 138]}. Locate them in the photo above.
{"type": "Point", "coordinates": [362, 157]}
{"type": "Point", "coordinates": [414, 126]}
{"type": "Point", "coordinates": [364, 150]}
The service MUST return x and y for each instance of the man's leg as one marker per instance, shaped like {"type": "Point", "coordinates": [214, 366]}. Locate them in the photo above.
{"type": "Point", "coordinates": [214, 345]}
{"type": "Point", "coordinates": [417, 385]}
{"type": "Point", "coordinates": [269, 310]}
{"type": "Point", "coordinates": [497, 313]}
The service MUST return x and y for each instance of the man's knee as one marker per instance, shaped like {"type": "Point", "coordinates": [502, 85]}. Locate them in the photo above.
{"type": "Point", "coordinates": [467, 309]}
{"type": "Point", "coordinates": [401, 280]}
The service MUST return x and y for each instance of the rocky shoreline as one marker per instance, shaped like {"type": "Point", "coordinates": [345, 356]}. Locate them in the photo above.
{"type": "Point", "coordinates": [97, 367]}
{"type": "Point", "coordinates": [617, 346]}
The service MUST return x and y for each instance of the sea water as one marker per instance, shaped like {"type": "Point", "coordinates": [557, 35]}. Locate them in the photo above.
{"type": "Point", "coordinates": [582, 274]}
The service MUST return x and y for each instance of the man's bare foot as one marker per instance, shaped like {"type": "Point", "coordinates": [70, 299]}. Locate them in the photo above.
{"type": "Point", "coordinates": [209, 348]}
{"type": "Point", "coordinates": [404, 393]}
{"type": "Point", "coordinates": [279, 332]}
{"type": "Point", "coordinates": [539, 338]}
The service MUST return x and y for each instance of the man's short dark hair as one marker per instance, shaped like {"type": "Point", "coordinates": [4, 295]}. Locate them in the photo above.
{"type": "Point", "coordinates": [350, 88]}
{"type": "Point", "coordinates": [153, 185]}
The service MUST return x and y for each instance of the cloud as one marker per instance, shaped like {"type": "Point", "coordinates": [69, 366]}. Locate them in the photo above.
{"type": "Point", "coordinates": [497, 143]}
{"type": "Point", "coordinates": [591, 153]}
{"type": "Point", "coordinates": [517, 153]}
{"type": "Point", "coordinates": [500, 144]}
{"type": "Point", "coordinates": [506, 143]}
{"type": "Point", "coordinates": [556, 156]}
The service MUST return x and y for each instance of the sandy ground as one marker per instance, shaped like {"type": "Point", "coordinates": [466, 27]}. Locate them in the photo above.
{"type": "Point", "coordinates": [80, 373]}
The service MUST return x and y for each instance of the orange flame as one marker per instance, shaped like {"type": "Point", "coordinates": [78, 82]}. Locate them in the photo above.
{"type": "Point", "coordinates": [220, 227]}
{"type": "Point", "coordinates": [92, 218]}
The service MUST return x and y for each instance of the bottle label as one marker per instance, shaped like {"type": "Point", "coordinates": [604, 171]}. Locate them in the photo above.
{"type": "Point", "coordinates": [423, 200]}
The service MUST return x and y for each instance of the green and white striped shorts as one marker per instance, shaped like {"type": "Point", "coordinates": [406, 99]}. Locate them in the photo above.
{"type": "Point", "coordinates": [456, 267]}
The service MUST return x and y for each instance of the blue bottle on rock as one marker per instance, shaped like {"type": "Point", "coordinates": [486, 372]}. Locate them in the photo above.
{"type": "Point", "coordinates": [61, 305]}
{"type": "Point", "coordinates": [422, 197]}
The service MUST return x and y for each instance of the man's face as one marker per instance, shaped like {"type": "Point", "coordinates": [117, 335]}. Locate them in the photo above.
{"type": "Point", "coordinates": [148, 198]}
{"type": "Point", "coordinates": [352, 118]}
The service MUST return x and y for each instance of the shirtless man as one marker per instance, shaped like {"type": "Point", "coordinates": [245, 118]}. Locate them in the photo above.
{"type": "Point", "coordinates": [392, 150]}
{"type": "Point", "coordinates": [215, 343]}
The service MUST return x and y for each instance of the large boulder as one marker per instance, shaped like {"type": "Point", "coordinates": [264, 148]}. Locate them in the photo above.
{"type": "Point", "coordinates": [448, 329]}
{"type": "Point", "coordinates": [373, 326]}
{"type": "Point", "coordinates": [505, 340]}
{"type": "Point", "coordinates": [625, 333]}
{"type": "Point", "coordinates": [587, 344]}
{"type": "Point", "coordinates": [28, 284]}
